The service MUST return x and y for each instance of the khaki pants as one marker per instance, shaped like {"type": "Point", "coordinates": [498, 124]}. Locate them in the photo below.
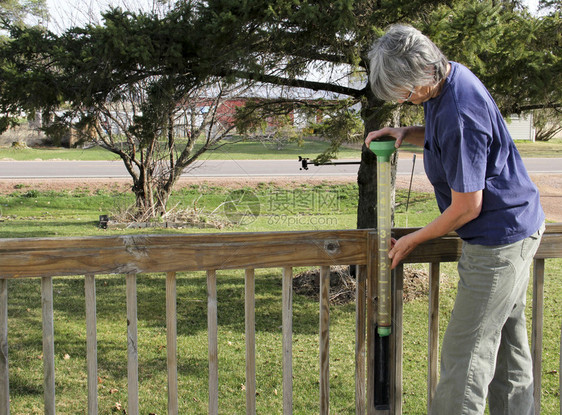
{"type": "Point", "coordinates": [485, 351]}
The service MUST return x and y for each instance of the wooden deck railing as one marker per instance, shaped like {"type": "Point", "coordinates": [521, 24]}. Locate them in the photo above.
{"type": "Point", "coordinates": [131, 255]}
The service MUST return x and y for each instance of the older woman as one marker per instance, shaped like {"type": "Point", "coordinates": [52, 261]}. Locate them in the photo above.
{"type": "Point", "coordinates": [484, 193]}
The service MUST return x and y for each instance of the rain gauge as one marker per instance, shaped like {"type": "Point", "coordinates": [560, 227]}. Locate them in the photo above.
{"type": "Point", "coordinates": [383, 149]}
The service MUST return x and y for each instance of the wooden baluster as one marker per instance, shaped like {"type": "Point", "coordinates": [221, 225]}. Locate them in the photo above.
{"type": "Point", "coordinates": [537, 329]}
{"type": "Point", "coordinates": [360, 345]}
{"type": "Point", "coordinates": [433, 332]}
{"type": "Point", "coordinates": [172, 342]}
{"type": "Point", "coordinates": [287, 299]}
{"type": "Point", "coordinates": [397, 339]}
{"type": "Point", "coordinates": [250, 331]}
{"type": "Point", "coordinates": [212, 328]}
{"type": "Point", "coordinates": [372, 258]}
{"type": "Point", "coordinates": [48, 345]}
{"type": "Point", "coordinates": [4, 372]}
{"type": "Point", "coordinates": [324, 340]}
{"type": "Point", "coordinates": [91, 343]}
{"type": "Point", "coordinates": [132, 345]}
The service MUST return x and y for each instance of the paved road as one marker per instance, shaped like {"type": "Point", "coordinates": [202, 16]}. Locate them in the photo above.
{"type": "Point", "coordinates": [226, 168]}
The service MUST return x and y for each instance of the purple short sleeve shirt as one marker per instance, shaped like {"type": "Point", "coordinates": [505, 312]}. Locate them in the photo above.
{"type": "Point", "coordinates": [468, 148]}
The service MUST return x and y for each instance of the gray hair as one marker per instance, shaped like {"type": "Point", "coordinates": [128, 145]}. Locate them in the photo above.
{"type": "Point", "coordinates": [403, 59]}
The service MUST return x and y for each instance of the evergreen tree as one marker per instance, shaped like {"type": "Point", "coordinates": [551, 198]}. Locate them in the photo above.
{"type": "Point", "coordinates": [133, 83]}
{"type": "Point", "coordinates": [517, 55]}
{"type": "Point", "coordinates": [16, 11]}
{"type": "Point", "coordinates": [286, 43]}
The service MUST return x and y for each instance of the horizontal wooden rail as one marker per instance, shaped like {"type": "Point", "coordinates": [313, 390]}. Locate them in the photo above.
{"type": "Point", "coordinates": [40, 257]}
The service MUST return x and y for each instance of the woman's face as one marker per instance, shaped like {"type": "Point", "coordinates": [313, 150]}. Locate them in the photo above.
{"type": "Point", "coordinates": [421, 94]}
{"type": "Point", "coordinates": [418, 95]}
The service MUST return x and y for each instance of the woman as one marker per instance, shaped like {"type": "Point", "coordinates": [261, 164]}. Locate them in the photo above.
{"type": "Point", "coordinates": [485, 194]}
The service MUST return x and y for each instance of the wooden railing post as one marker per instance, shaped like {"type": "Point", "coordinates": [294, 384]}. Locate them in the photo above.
{"type": "Point", "coordinates": [172, 342]}
{"type": "Point", "coordinates": [537, 329]}
{"type": "Point", "coordinates": [250, 331]}
{"type": "Point", "coordinates": [48, 345]}
{"type": "Point", "coordinates": [433, 334]}
{"type": "Point", "coordinates": [132, 345]}
{"type": "Point", "coordinates": [371, 318]}
{"type": "Point", "coordinates": [397, 339]}
{"type": "Point", "coordinates": [287, 321]}
{"type": "Point", "coordinates": [91, 343]}
{"type": "Point", "coordinates": [360, 346]}
{"type": "Point", "coordinates": [212, 328]}
{"type": "Point", "coordinates": [4, 372]}
{"type": "Point", "coordinates": [324, 340]}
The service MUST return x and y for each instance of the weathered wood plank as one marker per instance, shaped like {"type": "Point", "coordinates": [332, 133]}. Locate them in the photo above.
{"type": "Point", "coordinates": [372, 248]}
{"type": "Point", "coordinates": [324, 340]}
{"type": "Point", "coordinates": [397, 338]}
{"type": "Point", "coordinates": [172, 342]}
{"type": "Point", "coordinates": [4, 371]}
{"type": "Point", "coordinates": [360, 346]}
{"type": "Point", "coordinates": [48, 345]}
{"type": "Point", "coordinates": [91, 343]}
{"type": "Point", "coordinates": [551, 244]}
{"type": "Point", "coordinates": [212, 329]}
{"type": "Point", "coordinates": [37, 257]}
{"type": "Point", "coordinates": [537, 329]}
{"type": "Point", "coordinates": [171, 253]}
{"type": "Point", "coordinates": [250, 331]}
{"type": "Point", "coordinates": [433, 333]}
{"type": "Point", "coordinates": [287, 321]}
{"type": "Point", "coordinates": [132, 345]}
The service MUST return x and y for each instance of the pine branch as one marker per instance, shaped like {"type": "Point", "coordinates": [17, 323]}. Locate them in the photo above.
{"type": "Point", "coordinates": [298, 83]}
{"type": "Point", "coordinates": [554, 105]}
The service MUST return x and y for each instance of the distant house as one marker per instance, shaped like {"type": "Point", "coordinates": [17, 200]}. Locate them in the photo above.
{"type": "Point", "coordinates": [520, 127]}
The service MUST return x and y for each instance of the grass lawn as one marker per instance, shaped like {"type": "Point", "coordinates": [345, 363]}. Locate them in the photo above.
{"type": "Point", "coordinates": [251, 150]}
{"type": "Point", "coordinates": [31, 213]}
{"type": "Point", "coordinates": [248, 150]}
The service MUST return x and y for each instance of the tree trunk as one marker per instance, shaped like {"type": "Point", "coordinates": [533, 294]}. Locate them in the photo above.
{"type": "Point", "coordinates": [144, 195]}
{"type": "Point", "coordinates": [375, 115]}
{"type": "Point", "coordinates": [151, 195]}
{"type": "Point", "coordinates": [367, 182]}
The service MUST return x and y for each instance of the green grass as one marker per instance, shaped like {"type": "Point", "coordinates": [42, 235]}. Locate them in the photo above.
{"type": "Point", "coordinates": [30, 213]}
{"type": "Point", "coordinates": [247, 150]}
{"type": "Point", "coordinates": [552, 148]}
{"type": "Point", "coordinates": [56, 153]}
{"type": "Point", "coordinates": [252, 150]}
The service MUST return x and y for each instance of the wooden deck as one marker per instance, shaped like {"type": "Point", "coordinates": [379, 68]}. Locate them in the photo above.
{"type": "Point", "coordinates": [46, 258]}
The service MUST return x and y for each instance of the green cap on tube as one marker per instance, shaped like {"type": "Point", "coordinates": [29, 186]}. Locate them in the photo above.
{"type": "Point", "coordinates": [384, 331]}
{"type": "Point", "coordinates": [383, 148]}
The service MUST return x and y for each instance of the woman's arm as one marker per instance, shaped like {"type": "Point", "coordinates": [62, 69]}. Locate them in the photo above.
{"type": "Point", "coordinates": [464, 207]}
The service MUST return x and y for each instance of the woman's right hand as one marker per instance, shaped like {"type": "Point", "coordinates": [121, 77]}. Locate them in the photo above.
{"type": "Point", "coordinates": [397, 133]}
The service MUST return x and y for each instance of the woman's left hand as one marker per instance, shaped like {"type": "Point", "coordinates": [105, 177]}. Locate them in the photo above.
{"type": "Point", "coordinates": [401, 248]}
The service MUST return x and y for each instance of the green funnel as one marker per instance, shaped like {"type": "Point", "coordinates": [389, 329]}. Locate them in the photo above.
{"type": "Point", "coordinates": [383, 148]}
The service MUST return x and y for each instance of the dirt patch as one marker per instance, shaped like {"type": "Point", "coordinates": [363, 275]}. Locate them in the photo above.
{"type": "Point", "coordinates": [550, 188]}
{"type": "Point", "coordinates": [343, 285]}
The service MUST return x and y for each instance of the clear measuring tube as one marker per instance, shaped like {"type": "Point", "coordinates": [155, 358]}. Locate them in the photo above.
{"type": "Point", "coordinates": [384, 215]}
{"type": "Point", "coordinates": [383, 149]}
